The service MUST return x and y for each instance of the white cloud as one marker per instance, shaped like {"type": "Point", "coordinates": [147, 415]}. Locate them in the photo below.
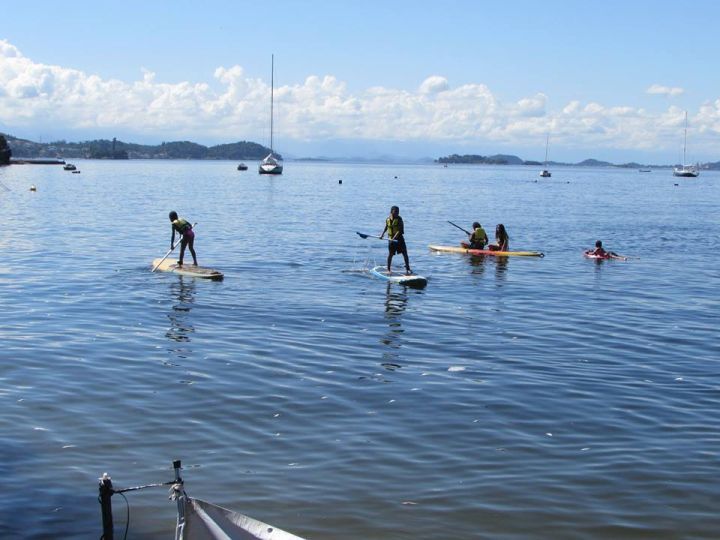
{"type": "Point", "coordinates": [665, 90]}
{"type": "Point", "coordinates": [232, 106]}
{"type": "Point", "coordinates": [434, 84]}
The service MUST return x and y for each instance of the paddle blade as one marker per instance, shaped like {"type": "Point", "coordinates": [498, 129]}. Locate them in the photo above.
{"type": "Point", "coordinates": [361, 235]}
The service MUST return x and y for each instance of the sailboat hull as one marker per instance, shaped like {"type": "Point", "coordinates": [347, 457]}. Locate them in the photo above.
{"type": "Point", "coordinates": [685, 173]}
{"type": "Point", "coordinates": [270, 169]}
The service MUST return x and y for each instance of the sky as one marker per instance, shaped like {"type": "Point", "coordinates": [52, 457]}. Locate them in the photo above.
{"type": "Point", "coordinates": [411, 79]}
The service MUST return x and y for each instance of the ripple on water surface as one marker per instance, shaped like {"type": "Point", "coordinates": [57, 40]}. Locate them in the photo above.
{"type": "Point", "coordinates": [510, 398]}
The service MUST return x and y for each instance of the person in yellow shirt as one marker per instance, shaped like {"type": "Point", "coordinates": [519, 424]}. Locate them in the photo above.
{"type": "Point", "coordinates": [187, 236]}
{"type": "Point", "coordinates": [478, 238]}
{"type": "Point", "coordinates": [395, 228]}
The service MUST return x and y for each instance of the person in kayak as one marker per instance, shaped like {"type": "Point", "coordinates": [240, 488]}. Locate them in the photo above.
{"type": "Point", "coordinates": [395, 228]}
{"type": "Point", "coordinates": [502, 240]}
{"type": "Point", "coordinates": [600, 252]}
{"type": "Point", "coordinates": [187, 236]}
{"type": "Point", "coordinates": [478, 238]}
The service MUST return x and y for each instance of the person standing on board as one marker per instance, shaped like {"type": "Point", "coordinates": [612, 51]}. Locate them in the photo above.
{"type": "Point", "coordinates": [187, 236]}
{"type": "Point", "coordinates": [478, 238]}
{"type": "Point", "coordinates": [395, 228]}
{"type": "Point", "coordinates": [502, 240]}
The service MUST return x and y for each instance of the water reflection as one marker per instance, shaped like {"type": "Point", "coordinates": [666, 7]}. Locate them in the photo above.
{"type": "Point", "coordinates": [396, 298]}
{"type": "Point", "coordinates": [501, 265]}
{"type": "Point", "coordinates": [477, 262]}
{"type": "Point", "coordinates": [181, 328]}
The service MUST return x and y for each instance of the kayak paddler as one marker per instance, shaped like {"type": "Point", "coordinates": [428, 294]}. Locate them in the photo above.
{"type": "Point", "coordinates": [599, 251]}
{"type": "Point", "coordinates": [395, 228]}
{"type": "Point", "coordinates": [187, 236]}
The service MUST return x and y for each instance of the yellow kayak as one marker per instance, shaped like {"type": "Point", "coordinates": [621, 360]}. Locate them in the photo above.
{"type": "Point", "coordinates": [479, 252]}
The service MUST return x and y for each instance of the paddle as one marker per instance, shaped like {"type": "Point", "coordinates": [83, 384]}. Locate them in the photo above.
{"type": "Point", "coordinates": [459, 227]}
{"type": "Point", "coordinates": [169, 252]}
{"type": "Point", "coordinates": [365, 236]}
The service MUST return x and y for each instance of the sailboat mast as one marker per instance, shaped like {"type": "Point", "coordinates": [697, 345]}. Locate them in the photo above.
{"type": "Point", "coordinates": [685, 141]}
{"type": "Point", "coordinates": [272, 87]}
{"type": "Point", "coordinates": [547, 143]}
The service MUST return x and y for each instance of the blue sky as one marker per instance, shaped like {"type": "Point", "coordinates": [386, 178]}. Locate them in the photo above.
{"type": "Point", "coordinates": [414, 79]}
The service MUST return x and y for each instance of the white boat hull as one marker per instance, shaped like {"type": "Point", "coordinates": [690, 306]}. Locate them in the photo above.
{"type": "Point", "coordinates": [266, 168]}
{"type": "Point", "coordinates": [686, 172]}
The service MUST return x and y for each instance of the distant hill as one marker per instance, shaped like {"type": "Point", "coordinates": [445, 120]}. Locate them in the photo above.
{"type": "Point", "coordinates": [114, 149]}
{"type": "Point", "coordinates": [503, 159]}
{"type": "Point", "coordinates": [594, 163]}
{"type": "Point", "coordinates": [498, 159]}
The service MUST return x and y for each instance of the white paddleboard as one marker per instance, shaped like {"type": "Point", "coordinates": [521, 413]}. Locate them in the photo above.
{"type": "Point", "coordinates": [186, 269]}
{"type": "Point", "coordinates": [412, 280]}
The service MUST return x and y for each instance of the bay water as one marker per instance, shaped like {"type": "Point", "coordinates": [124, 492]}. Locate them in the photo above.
{"type": "Point", "coordinates": [553, 397]}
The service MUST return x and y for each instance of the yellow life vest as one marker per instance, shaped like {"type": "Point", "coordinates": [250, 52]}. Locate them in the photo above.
{"type": "Point", "coordinates": [181, 225]}
{"type": "Point", "coordinates": [393, 226]}
{"type": "Point", "coordinates": [479, 236]}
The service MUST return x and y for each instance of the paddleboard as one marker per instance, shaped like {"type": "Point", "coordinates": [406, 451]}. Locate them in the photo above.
{"type": "Point", "coordinates": [454, 249]}
{"type": "Point", "coordinates": [412, 280]}
{"type": "Point", "coordinates": [589, 255]}
{"type": "Point", "coordinates": [169, 265]}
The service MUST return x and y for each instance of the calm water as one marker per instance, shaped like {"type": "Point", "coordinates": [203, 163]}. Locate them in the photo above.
{"type": "Point", "coordinates": [516, 398]}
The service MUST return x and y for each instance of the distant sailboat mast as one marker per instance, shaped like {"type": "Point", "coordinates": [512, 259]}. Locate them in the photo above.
{"type": "Point", "coordinates": [272, 88]}
{"type": "Point", "coordinates": [685, 142]}
{"type": "Point", "coordinates": [545, 173]}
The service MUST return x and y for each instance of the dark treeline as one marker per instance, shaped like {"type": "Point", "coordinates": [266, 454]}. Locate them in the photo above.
{"type": "Point", "coordinates": [114, 149]}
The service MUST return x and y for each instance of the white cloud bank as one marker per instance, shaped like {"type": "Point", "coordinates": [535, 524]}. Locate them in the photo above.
{"type": "Point", "coordinates": [665, 90]}
{"type": "Point", "coordinates": [232, 106]}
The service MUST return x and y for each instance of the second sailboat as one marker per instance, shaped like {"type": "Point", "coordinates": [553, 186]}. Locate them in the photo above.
{"type": "Point", "coordinates": [272, 164]}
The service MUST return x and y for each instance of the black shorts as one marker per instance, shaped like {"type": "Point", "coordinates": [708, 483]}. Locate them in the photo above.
{"type": "Point", "coordinates": [398, 246]}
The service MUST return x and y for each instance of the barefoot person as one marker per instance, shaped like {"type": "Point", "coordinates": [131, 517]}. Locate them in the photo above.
{"type": "Point", "coordinates": [187, 236]}
{"type": "Point", "coordinates": [502, 240]}
{"type": "Point", "coordinates": [396, 229]}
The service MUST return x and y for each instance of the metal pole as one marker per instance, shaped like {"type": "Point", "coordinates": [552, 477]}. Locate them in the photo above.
{"type": "Point", "coordinates": [106, 491]}
{"type": "Point", "coordinates": [180, 499]}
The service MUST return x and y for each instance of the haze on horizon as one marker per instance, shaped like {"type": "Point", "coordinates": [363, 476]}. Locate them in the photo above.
{"type": "Point", "coordinates": [402, 78]}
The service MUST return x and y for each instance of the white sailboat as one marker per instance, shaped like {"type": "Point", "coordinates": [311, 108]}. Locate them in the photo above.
{"type": "Point", "coordinates": [688, 171]}
{"type": "Point", "coordinates": [545, 172]}
{"type": "Point", "coordinates": [271, 164]}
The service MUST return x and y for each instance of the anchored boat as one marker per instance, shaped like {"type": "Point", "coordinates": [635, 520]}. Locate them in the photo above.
{"type": "Point", "coordinates": [271, 164]}
{"type": "Point", "coordinates": [686, 171]}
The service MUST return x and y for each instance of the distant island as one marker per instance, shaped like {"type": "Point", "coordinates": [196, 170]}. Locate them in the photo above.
{"type": "Point", "coordinates": [57, 151]}
{"type": "Point", "coordinates": [114, 149]}
{"type": "Point", "coordinates": [502, 159]}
